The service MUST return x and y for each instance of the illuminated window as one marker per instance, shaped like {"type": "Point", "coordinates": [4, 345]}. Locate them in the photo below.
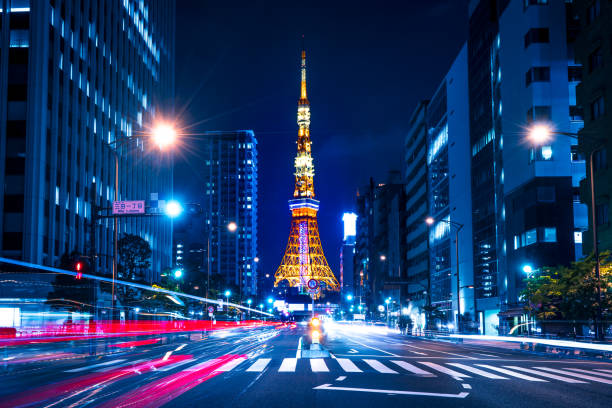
{"type": "Point", "coordinates": [550, 234]}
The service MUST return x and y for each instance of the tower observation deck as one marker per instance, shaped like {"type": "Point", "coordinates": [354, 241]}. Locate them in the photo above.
{"type": "Point", "coordinates": [304, 258]}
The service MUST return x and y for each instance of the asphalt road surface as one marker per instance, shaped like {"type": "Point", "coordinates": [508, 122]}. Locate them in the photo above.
{"type": "Point", "coordinates": [264, 368]}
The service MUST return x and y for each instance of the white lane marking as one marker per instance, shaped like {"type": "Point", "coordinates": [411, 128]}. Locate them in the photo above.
{"type": "Point", "coordinates": [332, 356]}
{"type": "Point", "coordinates": [231, 365]}
{"type": "Point", "coordinates": [173, 366]}
{"type": "Point", "coordinates": [475, 370]}
{"type": "Point", "coordinates": [466, 386]}
{"type": "Point", "coordinates": [348, 366]}
{"type": "Point", "coordinates": [380, 367]}
{"type": "Point", "coordinates": [487, 355]}
{"type": "Point", "coordinates": [418, 352]}
{"type": "Point", "coordinates": [298, 353]}
{"type": "Point", "coordinates": [584, 377]}
{"type": "Point", "coordinates": [512, 373]}
{"type": "Point", "coordinates": [588, 372]}
{"type": "Point", "coordinates": [444, 370]}
{"type": "Point", "coordinates": [288, 365]}
{"type": "Point", "coordinates": [318, 365]}
{"type": "Point", "coordinates": [546, 375]}
{"type": "Point", "coordinates": [440, 351]}
{"type": "Point", "coordinates": [76, 370]}
{"type": "Point", "coordinates": [353, 351]}
{"type": "Point", "coordinates": [423, 394]}
{"type": "Point", "coordinates": [179, 348]}
{"type": "Point", "coordinates": [413, 369]}
{"type": "Point", "coordinates": [124, 366]}
{"type": "Point", "coordinates": [341, 378]}
{"type": "Point", "coordinates": [259, 365]}
{"type": "Point", "coordinates": [167, 355]}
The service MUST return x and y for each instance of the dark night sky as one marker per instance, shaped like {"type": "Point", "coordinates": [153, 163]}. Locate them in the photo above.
{"type": "Point", "coordinates": [237, 67]}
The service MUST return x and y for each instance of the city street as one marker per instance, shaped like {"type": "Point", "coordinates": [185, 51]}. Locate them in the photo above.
{"type": "Point", "coordinates": [262, 368]}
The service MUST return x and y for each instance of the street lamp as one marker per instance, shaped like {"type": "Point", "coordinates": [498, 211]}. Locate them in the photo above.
{"type": "Point", "coordinates": [387, 301]}
{"type": "Point", "coordinates": [163, 135]}
{"type": "Point", "coordinates": [528, 269]}
{"type": "Point", "coordinates": [383, 258]}
{"type": "Point", "coordinates": [232, 227]}
{"type": "Point", "coordinates": [173, 209]}
{"type": "Point", "coordinates": [540, 134]}
{"type": "Point", "coordinates": [178, 273]}
{"type": "Point", "coordinates": [458, 226]}
{"type": "Point", "coordinates": [349, 297]}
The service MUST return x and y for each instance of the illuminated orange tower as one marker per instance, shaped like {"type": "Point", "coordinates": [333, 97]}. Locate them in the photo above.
{"type": "Point", "coordinates": [304, 258]}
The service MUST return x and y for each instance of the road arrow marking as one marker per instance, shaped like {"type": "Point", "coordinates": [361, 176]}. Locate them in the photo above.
{"type": "Point", "coordinates": [392, 392]}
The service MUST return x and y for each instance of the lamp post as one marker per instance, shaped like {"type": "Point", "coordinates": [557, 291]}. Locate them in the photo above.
{"type": "Point", "coordinates": [458, 226]}
{"type": "Point", "coordinates": [163, 136]}
{"type": "Point", "coordinates": [387, 301]}
{"type": "Point", "coordinates": [540, 134]}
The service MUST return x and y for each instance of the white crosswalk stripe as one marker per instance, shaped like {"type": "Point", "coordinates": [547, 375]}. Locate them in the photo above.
{"type": "Point", "coordinates": [546, 375]}
{"type": "Point", "coordinates": [348, 366]}
{"type": "Point", "coordinates": [512, 373]}
{"type": "Point", "coordinates": [259, 365]}
{"type": "Point", "coordinates": [288, 365]}
{"type": "Point", "coordinates": [588, 372]}
{"type": "Point", "coordinates": [231, 365]}
{"type": "Point", "coordinates": [413, 369]}
{"type": "Point", "coordinates": [583, 376]}
{"type": "Point", "coordinates": [604, 370]}
{"type": "Point", "coordinates": [318, 365]}
{"type": "Point", "coordinates": [444, 370]}
{"type": "Point", "coordinates": [380, 367]}
{"type": "Point", "coordinates": [478, 371]}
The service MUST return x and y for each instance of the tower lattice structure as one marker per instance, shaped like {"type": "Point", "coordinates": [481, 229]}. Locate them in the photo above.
{"type": "Point", "coordinates": [304, 258]}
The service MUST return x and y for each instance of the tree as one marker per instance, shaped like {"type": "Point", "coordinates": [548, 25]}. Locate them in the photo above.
{"type": "Point", "coordinates": [134, 256]}
{"type": "Point", "coordinates": [570, 293]}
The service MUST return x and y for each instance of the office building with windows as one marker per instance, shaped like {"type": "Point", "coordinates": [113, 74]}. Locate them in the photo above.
{"type": "Point", "coordinates": [593, 47]}
{"type": "Point", "coordinates": [229, 195]}
{"type": "Point", "coordinates": [82, 82]}
{"type": "Point", "coordinates": [521, 73]}
{"type": "Point", "coordinates": [449, 197]}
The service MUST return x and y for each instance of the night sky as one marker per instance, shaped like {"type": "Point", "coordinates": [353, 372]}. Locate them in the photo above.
{"type": "Point", "coordinates": [237, 67]}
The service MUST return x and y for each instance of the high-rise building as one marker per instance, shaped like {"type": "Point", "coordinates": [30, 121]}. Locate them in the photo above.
{"type": "Point", "coordinates": [347, 252]}
{"type": "Point", "coordinates": [228, 195]}
{"type": "Point", "coordinates": [416, 210]}
{"type": "Point", "coordinates": [593, 49]}
{"type": "Point", "coordinates": [523, 208]}
{"type": "Point", "coordinates": [362, 272]}
{"type": "Point", "coordinates": [448, 178]}
{"type": "Point", "coordinates": [82, 82]}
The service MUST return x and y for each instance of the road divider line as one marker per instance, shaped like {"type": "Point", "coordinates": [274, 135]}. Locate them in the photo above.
{"type": "Point", "coordinates": [288, 365]}
{"type": "Point", "coordinates": [413, 369]}
{"type": "Point", "coordinates": [380, 367]}
{"type": "Point", "coordinates": [475, 370]}
{"type": "Point", "coordinates": [512, 373]}
{"type": "Point", "coordinates": [318, 365]}
{"type": "Point", "coordinates": [106, 363]}
{"type": "Point", "coordinates": [179, 348]}
{"type": "Point", "coordinates": [259, 365]}
{"type": "Point", "coordinates": [167, 355]}
{"type": "Point", "coordinates": [341, 378]}
{"type": "Point", "coordinates": [444, 370]}
{"type": "Point", "coordinates": [466, 386]}
{"type": "Point", "coordinates": [348, 366]}
{"type": "Point", "coordinates": [546, 375]}
{"type": "Point", "coordinates": [584, 377]}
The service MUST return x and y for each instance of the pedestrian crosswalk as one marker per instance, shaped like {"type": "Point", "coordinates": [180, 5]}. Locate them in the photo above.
{"type": "Point", "coordinates": [536, 372]}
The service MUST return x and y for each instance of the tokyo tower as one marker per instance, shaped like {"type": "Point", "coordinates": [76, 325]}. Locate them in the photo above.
{"type": "Point", "coordinates": [304, 258]}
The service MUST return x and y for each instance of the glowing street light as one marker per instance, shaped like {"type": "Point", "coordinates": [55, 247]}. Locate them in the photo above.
{"type": "Point", "coordinates": [429, 220]}
{"type": "Point", "coordinates": [164, 135]}
{"type": "Point", "coordinates": [528, 269]}
{"type": "Point", "coordinates": [540, 134]}
{"type": "Point", "coordinates": [349, 297]}
{"type": "Point", "coordinates": [383, 258]}
{"type": "Point", "coordinates": [178, 273]}
{"type": "Point", "coordinates": [256, 259]}
{"type": "Point", "coordinates": [173, 209]}
{"type": "Point", "coordinates": [232, 227]}
{"type": "Point", "coordinates": [270, 300]}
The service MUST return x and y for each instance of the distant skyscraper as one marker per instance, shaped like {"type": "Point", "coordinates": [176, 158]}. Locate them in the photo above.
{"type": "Point", "coordinates": [347, 252]}
{"type": "Point", "coordinates": [229, 195]}
{"type": "Point", "coordinates": [82, 81]}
